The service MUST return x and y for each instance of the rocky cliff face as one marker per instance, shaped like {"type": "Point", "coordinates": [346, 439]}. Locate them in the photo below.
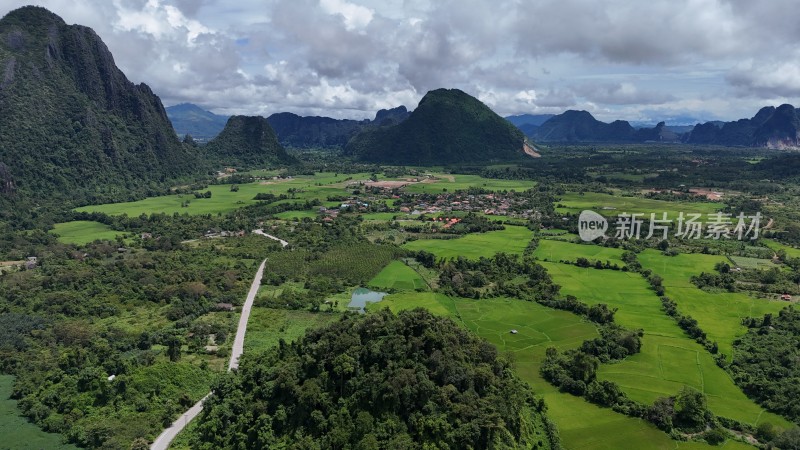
{"type": "Point", "coordinates": [72, 124]}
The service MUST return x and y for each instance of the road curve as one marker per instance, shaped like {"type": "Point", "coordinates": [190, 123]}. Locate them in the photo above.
{"type": "Point", "coordinates": [261, 232]}
{"type": "Point", "coordinates": [165, 438]}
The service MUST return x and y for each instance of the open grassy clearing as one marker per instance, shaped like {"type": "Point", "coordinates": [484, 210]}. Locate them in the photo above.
{"type": "Point", "coordinates": [81, 232]}
{"type": "Point", "coordinates": [719, 314]}
{"type": "Point", "coordinates": [267, 326]}
{"type": "Point", "coordinates": [296, 215]}
{"type": "Point", "coordinates": [512, 240]}
{"type": "Point", "coordinates": [398, 276]}
{"type": "Point", "coordinates": [668, 359]}
{"type": "Point", "coordinates": [16, 432]}
{"type": "Point", "coordinates": [438, 304]}
{"type": "Point", "coordinates": [611, 205]}
{"type": "Point", "coordinates": [551, 250]}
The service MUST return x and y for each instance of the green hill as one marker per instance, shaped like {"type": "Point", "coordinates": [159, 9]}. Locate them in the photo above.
{"type": "Point", "coordinates": [248, 141]}
{"type": "Point", "coordinates": [74, 128]}
{"type": "Point", "coordinates": [409, 381]}
{"type": "Point", "coordinates": [449, 126]}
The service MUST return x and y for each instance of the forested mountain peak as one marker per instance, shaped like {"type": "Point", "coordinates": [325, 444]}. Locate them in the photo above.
{"type": "Point", "coordinates": [248, 140]}
{"type": "Point", "coordinates": [448, 126]}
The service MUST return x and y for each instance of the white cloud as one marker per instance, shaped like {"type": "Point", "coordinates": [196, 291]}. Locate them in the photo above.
{"type": "Point", "coordinates": [348, 58]}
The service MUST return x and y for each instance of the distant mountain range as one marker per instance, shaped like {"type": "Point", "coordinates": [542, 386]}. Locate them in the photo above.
{"type": "Point", "coordinates": [292, 130]}
{"type": "Point", "coordinates": [195, 121]}
{"type": "Point", "coordinates": [770, 127]}
{"type": "Point", "coordinates": [448, 127]}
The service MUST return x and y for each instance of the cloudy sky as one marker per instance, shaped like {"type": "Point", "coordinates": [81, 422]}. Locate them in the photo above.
{"type": "Point", "coordinates": [627, 59]}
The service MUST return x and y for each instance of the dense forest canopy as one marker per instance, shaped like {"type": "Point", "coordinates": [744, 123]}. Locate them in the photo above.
{"type": "Point", "coordinates": [382, 381]}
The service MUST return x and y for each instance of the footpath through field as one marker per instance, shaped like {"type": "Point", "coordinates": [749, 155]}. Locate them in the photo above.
{"type": "Point", "coordinates": [165, 438]}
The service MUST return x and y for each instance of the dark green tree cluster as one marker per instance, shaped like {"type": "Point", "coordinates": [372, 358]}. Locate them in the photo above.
{"type": "Point", "coordinates": [63, 336]}
{"type": "Point", "coordinates": [409, 381]}
{"type": "Point", "coordinates": [765, 362]}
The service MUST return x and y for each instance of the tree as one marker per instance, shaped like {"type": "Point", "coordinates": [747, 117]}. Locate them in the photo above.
{"type": "Point", "coordinates": [691, 411]}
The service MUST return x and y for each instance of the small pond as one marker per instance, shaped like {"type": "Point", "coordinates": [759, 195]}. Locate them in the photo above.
{"type": "Point", "coordinates": [362, 296]}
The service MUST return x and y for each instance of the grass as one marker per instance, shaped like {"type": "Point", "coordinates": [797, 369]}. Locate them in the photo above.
{"type": "Point", "coordinates": [668, 359]}
{"type": "Point", "coordinates": [611, 205]}
{"type": "Point", "coordinates": [398, 276]}
{"type": "Point", "coordinates": [463, 182]}
{"type": "Point", "coordinates": [438, 304]}
{"type": "Point", "coordinates": [296, 215]}
{"type": "Point", "coordinates": [581, 425]}
{"type": "Point", "coordinates": [775, 245]}
{"type": "Point", "coordinates": [751, 263]}
{"type": "Point", "coordinates": [512, 240]}
{"type": "Point", "coordinates": [718, 314]}
{"type": "Point", "coordinates": [267, 326]}
{"type": "Point", "coordinates": [223, 200]}
{"type": "Point", "coordinates": [82, 232]}
{"type": "Point", "coordinates": [551, 250]}
{"type": "Point", "coordinates": [16, 432]}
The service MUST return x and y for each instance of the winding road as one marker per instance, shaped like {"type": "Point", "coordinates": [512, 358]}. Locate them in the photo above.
{"type": "Point", "coordinates": [165, 438]}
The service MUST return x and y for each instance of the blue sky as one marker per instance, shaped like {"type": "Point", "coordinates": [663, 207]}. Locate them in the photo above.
{"type": "Point", "coordinates": [618, 59]}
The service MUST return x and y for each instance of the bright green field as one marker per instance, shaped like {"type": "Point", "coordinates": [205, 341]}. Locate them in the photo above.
{"type": "Point", "coordinates": [462, 182]}
{"type": "Point", "coordinates": [16, 432]}
{"type": "Point", "coordinates": [581, 425]}
{"type": "Point", "coordinates": [438, 304]}
{"type": "Point", "coordinates": [668, 359]}
{"type": "Point", "coordinates": [574, 202]}
{"type": "Point", "coordinates": [551, 250]}
{"type": "Point", "coordinates": [398, 276]}
{"type": "Point", "coordinates": [223, 200]}
{"type": "Point", "coordinates": [81, 232]}
{"type": "Point", "coordinates": [296, 215]}
{"type": "Point", "coordinates": [511, 240]}
{"type": "Point", "coordinates": [775, 245]}
{"type": "Point", "coordinates": [718, 314]}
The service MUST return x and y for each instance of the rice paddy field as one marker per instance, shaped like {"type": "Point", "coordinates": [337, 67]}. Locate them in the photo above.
{"type": "Point", "coordinates": [512, 240]}
{"type": "Point", "coordinates": [223, 200]}
{"type": "Point", "coordinates": [456, 182]}
{"type": "Point", "coordinates": [719, 314]}
{"type": "Point", "coordinates": [611, 205]}
{"type": "Point", "coordinates": [668, 359]}
{"type": "Point", "coordinates": [16, 432]}
{"type": "Point", "coordinates": [553, 250]}
{"type": "Point", "coordinates": [81, 232]}
{"type": "Point", "coordinates": [581, 425]}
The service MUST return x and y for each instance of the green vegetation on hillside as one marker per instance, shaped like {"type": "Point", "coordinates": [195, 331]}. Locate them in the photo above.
{"type": "Point", "coordinates": [412, 362]}
{"type": "Point", "coordinates": [449, 126]}
{"type": "Point", "coordinates": [248, 141]}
